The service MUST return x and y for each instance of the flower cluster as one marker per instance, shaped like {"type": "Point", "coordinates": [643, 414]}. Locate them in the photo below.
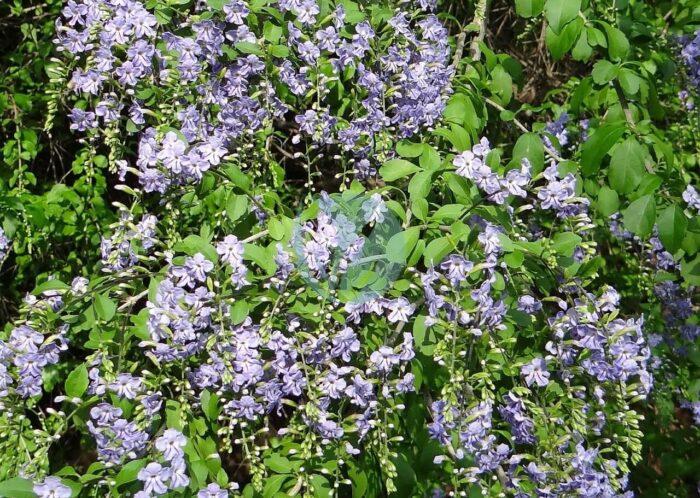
{"type": "Point", "coordinates": [222, 79]}
{"type": "Point", "coordinates": [52, 487]}
{"type": "Point", "coordinates": [221, 340]}
{"type": "Point", "coordinates": [690, 55]}
{"type": "Point", "coordinates": [558, 195]}
{"type": "Point", "coordinates": [120, 250]}
{"type": "Point", "coordinates": [557, 129]}
{"type": "Point", "coordinates": [157, 479]}
{"type": "Point", "coordinates": [692, 198]}
{"type": "Point", "coordinates": [25, 356]}
{"type": "Point", "coordinates": [5, 245]}
{"type": "Point", "coordinates": [472, 165]}
{"type": "Point", "coordinates": [117, 439]}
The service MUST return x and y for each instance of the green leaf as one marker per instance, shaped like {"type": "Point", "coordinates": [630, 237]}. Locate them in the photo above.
{"type": "Point", "coordinates": [530, 146]}
{"type": "Point", "coordinates": [529, 8]}
{"type": "Point", "coordinates": [272, 32]}
{"type": "Point", "coordinates": [600, 142]}
{"type": "Point", "coordinates": [582, 50]}
{"type": "Point", "coordinates": [409, 149]}
{"type": "Point", "coordinates": [279, 51]}
{"type": "Point", "coordinates": [273, 484]}
{"type": "Point", "coordinates": [420, 185]}
{"type": "Point", "coordinates": [420, 209]}
{"type": "Point", "coordinates": [514, 259]}
{"type": "Point", "coordinates": [105, 307]}
{"type": "Point", "coordinates": [49, 285]}
{"type": "Point", "coordinates": [618, 45]}
{"type": "Point", "coordinates": [429, 159]}
{"type": "Point", "coordinates": [277, 228]}
{"type": "Point", "coordinates": [565, 243]}
{"type": "Point", "coordinates": [129, 472]}
{"type": "Point", "coordinates": [672, 224]}
{"type": "Point", "coordinates": [210, 405]}
{"type": "Point", "coordinates": [560, 12]}
{"type": "Point", "coordinates": [397, 168]}
{"type": "Point", "coordinates": [260, 256]}
{"type": "Point", "coordinates": [236, 206]}
{"type": "Point", "coordinates": [560, 43]}
{"type": "Point", "coordinates": [608, 201]}
{"type": "Point", "coordinates": [629, 81]}
{"type": "Point", "coordinates": [278, 464]}
{"type": "Point", "coordinates": [17, 488]}
{"type": "Point", "coordinates": [239, 312]}
{"type": "Point", "coordinates": [502, 84]}
{"type": "Point", "coordinates": [448, 213]}
{"type": "Point", "coordinates": [640, 216]}
{"type": "Point", "coordinates": [193, 244]}
{"type": "Point", "coordinates": [691, 271]}
{"type": "Point", "coordinates": [401, 245]}
{"type": "Point", "coordinates": [248, 48]}
{"type": "Point", "coordinates": [77, 381]}
{"type": "Point", "coordinates": [627, 166]}
{"type": "Point", "coordinates": [436, 251]}
{"type": "Point", "coordinates": [604, 72]}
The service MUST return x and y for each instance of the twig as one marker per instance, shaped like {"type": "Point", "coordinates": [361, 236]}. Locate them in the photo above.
{"type": "Point", "coordinates": [480, 19]}
{"type": "Point", "coordinates": [257, 236]}
{"type": "Point", "coordinates": [625, 105]}
{"type": "Point", "coordinates": [132, 300]}
{"type": "Point", "coordinates": [522, 127]}
{"type": "Point", "coordinates": [461, 40]}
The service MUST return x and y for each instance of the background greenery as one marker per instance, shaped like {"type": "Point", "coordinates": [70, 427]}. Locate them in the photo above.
{"type": "Point", "coordinates": [613, 63]}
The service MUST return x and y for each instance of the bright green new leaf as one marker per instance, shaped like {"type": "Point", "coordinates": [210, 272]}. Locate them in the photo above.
{"type": "Point", "coordinates": [599, 143]}
{"type": "Point", "coordinates": [397, 168]}
{"type": "Point", "coordinates": [618, 45]}
{"type": "Point", "coordinates": [604, 72]}
{"type": "Point", "coordinates": [560, 43]}
{"type": "Point", "coordinates": [560, 12]}
{"type": "Point", "coordinates": [529, 8]}
{"type": "Point", "coordinates": [17, 487]}
{"type": "Point", "coordinates": [236, 206]}
{"type": "Point", "coordinates": [401, 245]}
{"type": "Point", "coordinates": [627, 166]}
{"type": "Point", "coordinates": [565, 243]}
{"type": "Point", "coordinates": [77, 381]}
{"type": "Point", "coordinates": [529, 146]}
{"type": "Point", "coordinates": [105, 307]}
{"type": "Point", "coordinates": [608, 201]}
{"type": "Point", "coordinates": [672, 224]}
{"type": "Point", "coordinates": [640, 216]}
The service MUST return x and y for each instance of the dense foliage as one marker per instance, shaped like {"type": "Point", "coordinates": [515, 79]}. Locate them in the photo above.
{"type": "Point", "coordinates": [337, 248]}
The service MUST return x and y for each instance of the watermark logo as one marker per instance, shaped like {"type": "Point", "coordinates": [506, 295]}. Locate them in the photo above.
{"type": "Point", "coordinates": [340, 247]}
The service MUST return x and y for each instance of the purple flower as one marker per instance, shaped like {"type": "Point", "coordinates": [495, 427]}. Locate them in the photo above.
{"type": "Point", "coordinates": [154, 476]}
{"type": "Point", "coordinates": [213, 490]}
{"type": "Point", "coordinates": [51, 487]}
{"type": "Point", "coordinates": [127, 386]}
{"type": "Point", "coordinates": [170, 444]}
{"type": "Point", "coordinates": [236, 11]}
{"type": "Point", "coordinates": [456, 269]}
{"type": "Point", "coordinates": [400, 310]}
{"type": "Point", "coordinates": [4, 245]}
{"type": "Point", "coordinates": [152, 403]}
{"type": "Point", "coordinates": [528, 304]}
{"type": "Point", "coordinates": [360, 391]}
{"type": "Point", "coordinates": [384, 359]}
{"type": "Point", "coordinates": [536, 372]}
{"type": "Point", "coordinates": [691, 196]}
{"type": "Point", "coordinates": [178, 473]}
{"type": "Point", "coordinates": [345, 343]}
{"type": "Point", "coordinates": [247, 408]}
